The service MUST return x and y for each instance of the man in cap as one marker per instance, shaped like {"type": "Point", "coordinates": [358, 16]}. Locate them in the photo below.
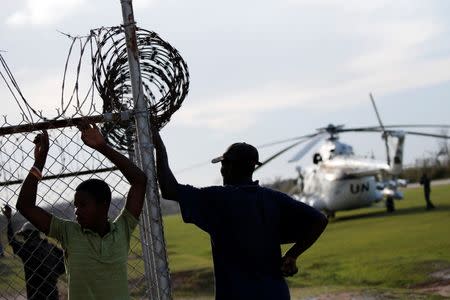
{"type": "Point", "coordinates": [43, 262]}
{"type": "Point", "coordinates": [246, 223]}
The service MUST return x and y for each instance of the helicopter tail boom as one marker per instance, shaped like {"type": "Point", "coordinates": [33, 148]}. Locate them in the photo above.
{"type": "Point", "coordinates": [397, 163]}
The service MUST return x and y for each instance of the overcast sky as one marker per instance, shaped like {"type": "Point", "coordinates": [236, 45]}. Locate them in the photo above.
{"type": "Point", "coordinates": [260, 70]}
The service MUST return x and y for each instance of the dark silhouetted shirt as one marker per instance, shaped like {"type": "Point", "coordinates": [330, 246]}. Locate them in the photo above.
{"type": "Point", "coordinates": [43, 264]}
{"type": "Point", "coordinates": [247, 224]}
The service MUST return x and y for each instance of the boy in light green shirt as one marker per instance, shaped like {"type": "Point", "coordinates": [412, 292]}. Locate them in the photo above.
{"type": "Point", "coordinates": [96, 266]}
{"type": "Point", "coordinates": [96, 250]}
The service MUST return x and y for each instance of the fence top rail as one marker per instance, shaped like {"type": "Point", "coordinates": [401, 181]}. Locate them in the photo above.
{"type": "Point", "coordinates": [53, 124]}
{"type": "Point", "coordinates": [64, 175]}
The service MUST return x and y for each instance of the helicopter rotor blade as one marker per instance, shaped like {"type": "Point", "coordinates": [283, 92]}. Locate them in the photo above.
{"type": "Point", "coordinates": [443, 126]}
{"type": "Point", "coordinates": [307, 148]}
{"type": "Point", "coordinates": [385, 137]}
{"type": "Point", "coordinates": [193, 166]}
{"type": "Point", "coordinates": [281, 152]}
{"type": "Point", "coordinates": [374, 129]}
{"type": "Point", "coordinates": [378, 128]}
{"type": "Point", "coordinates": [296, 139]}
{"type": "Point", "coordinates": [440, 136]}
{"type": "Point", "coordinates": [300, 139]}
{"type": "Point", "coordinates": [286, 140]}
{"type": "Point", "coordinates": [376, 111]}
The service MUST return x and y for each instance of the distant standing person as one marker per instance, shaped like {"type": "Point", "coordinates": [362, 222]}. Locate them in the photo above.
{"type": "Point", "coordinates": [246, 223]}
{"type": "Point", "coordinates": [43, 262]}
{"type": "Point", "coordinates": [426, 182]}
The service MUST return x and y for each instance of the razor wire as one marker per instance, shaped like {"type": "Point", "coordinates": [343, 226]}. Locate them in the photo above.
{"type": "Point", "coordinates": [164, 76]}
{"type": "Point", "coordinates": [165, 80]}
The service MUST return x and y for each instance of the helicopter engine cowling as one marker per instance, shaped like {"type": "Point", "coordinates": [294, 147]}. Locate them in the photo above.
{"type": "Point", "coordinates": [312, 201]}
{"type": "Point", "coordinates": [398, 195]}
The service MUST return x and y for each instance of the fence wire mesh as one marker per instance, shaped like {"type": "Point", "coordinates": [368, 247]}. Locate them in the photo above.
{"type": "Point", "coordinates": [97, 61]}
{"type": "Point", "coordinates": [69, 163]}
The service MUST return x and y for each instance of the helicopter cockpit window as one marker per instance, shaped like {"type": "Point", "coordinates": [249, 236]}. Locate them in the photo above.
{"type": "Point", "coordinates": [317, 158]}
{"type": "Point", "coordinates": [332, 153]}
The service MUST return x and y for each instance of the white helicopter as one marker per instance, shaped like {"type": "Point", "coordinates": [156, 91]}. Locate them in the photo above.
{"type": "Point", "coordinates": [340, 180]}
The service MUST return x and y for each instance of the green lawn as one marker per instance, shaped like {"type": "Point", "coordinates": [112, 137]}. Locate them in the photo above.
{"type": "Point", "coordinates": [360, 249]}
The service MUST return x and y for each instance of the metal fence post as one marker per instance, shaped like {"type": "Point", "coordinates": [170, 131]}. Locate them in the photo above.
{"type": "Point", "coordinates": [161, 288]}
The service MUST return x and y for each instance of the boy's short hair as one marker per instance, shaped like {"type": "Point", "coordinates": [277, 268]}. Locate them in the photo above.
{"type": "Point", "coordinates": [97, 188]}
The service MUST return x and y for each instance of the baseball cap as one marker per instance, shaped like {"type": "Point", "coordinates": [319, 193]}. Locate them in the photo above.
{"type": "Point", "coordinates": [241, 152]}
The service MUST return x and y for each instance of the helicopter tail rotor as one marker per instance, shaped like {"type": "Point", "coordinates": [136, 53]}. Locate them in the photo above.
{"type": "Point", "coordinates": [397, 166]}
{"type": "Point", "coordinates": [384, 132]}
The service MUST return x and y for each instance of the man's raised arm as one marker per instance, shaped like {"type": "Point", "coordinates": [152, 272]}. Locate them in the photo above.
{"type": "Point", "coordinates": [167, 181]}
{"type": "Point", "coordinates": [92, 137]}
{"type": "Point", "coordinates": [26, 203]}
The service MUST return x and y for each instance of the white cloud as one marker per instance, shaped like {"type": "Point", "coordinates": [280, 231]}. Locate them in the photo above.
{"type": "Point", "coordinates": [395, 44]}
{"type": "Point", "coordinates": [234, 112]}
{"type": "Point", "coordinates": [388, 55]}
{"type": "Point", "coordinates": [237, 111]}
{"type": "Point", "coordinates": [141, 4]}
{"type": "Point", "coordinates": [43, 93]}
{"type": "Point", "coordinates": [392, 57]}
{"type": "Point", "coordinates": [43, 12]}
{"type": "Point", "coordinates": [350, 6]}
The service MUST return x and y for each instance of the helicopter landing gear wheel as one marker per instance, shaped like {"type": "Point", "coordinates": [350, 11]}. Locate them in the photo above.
{"type": "Point", "coordinates": [390, 207]}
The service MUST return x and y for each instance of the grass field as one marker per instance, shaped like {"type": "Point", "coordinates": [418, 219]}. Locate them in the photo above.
{"type": "Point", "coordinates": [365, 253]}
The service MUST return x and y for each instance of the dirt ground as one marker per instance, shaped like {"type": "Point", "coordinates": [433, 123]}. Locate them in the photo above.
{"type": "Point", "coordinates": [439, 285]}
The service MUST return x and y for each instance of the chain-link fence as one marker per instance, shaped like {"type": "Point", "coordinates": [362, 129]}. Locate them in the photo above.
{"type": "Point", "coordinates": [141, 80]}
{"type": "Point", "coordinates": [69, 163]}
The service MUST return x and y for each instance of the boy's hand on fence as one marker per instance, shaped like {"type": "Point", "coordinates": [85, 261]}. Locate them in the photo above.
{"type": "Point", "coordinates": [91, 136]}
{"type": "Point", "coordinates": [41, 149]}
{"type": "Point", "coordinates": [7, 211]}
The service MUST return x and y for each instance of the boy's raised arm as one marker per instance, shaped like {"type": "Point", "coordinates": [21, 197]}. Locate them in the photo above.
{"type": "Point", "coordinates": [26, 203]}
{"type": "Point", "coordinates": [91, 136]}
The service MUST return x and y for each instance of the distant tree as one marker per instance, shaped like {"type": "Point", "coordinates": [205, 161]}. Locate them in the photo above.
{"type": "Point", "coordinates": [282, 185]}
{"type": "Point", "coordinates": [443, 149]}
